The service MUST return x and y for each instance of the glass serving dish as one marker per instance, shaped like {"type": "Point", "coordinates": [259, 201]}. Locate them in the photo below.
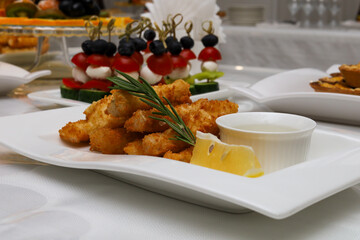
{"type": "Point", "coordinates": [54, 39]}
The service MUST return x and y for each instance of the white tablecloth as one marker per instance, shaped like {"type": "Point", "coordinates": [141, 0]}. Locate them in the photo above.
{"type": "Point", "coordinates": [290, 48]}
{"type": "Point", "coordinates": [40, 201]}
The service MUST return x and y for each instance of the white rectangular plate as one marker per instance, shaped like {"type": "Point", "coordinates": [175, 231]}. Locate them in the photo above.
{"type": "Point", "coordinates": [333, 165]}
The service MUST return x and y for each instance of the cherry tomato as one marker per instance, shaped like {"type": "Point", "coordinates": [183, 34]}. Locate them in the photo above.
{"type": "Point", "coordinates": [125, 64]}
{"type": "Point", "coordinates": [188, 54]}
{"type": "Point", "coordinates": [112, 60]}
{"type": "Point", "coordinates": [161, 65]}
{"type": "Point", "coordinates": [138, 57]}
{"type": "Point", "coordinates": [178, 61]}
{"type": "Point", "coordinates": [99, 60]}
{"type": "Point", "coordinates": [79, 60]}
{"type": "Point", "coordinates": [71, 83]}
{"type": "Point", "coordinates": [147, 50]}
{"type": "Point", "coordinates": [161, 82]}
{"type": "Point", "coordinates": [209, 54]}
{"type": "Point", "coordinates": [102, 85]}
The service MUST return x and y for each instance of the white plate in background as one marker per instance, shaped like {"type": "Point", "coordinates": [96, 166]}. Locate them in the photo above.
{"type": "Point", "coordinates": [234, 76]}
{"type": "Point", "coordinates": [333, 166]}
{"type": "Point", "coordinates": [290, 92]}
{"type": "Point", "coordinates": [53, 96]}
{"type": "Point", "coordinates": [12, 76]}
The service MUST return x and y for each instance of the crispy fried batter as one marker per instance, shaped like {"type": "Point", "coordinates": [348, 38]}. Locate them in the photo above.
{"type": "Point", "coordinates": [141, 122]}
{"type": "Point", "coordinates": [183, 156]}
{"type": "Point", "coordinates": [125, 104]}
{"type": "Point", "coordinates": [134, 148]}
{"type": "Point", "coordinates": [75, 132]}
{"type": "Point", "coordinates": [199, 116]}
{"type": "Point", "coordinates": [105, 119]}
{"type": "Point", "coordinates": [112, 111]}
{"type": "Point", "coordinates": [111, 141]}
{"type": "Point", "coordinates": [156, 144]}
{"type": "Point", "coordinates": [96, 117]}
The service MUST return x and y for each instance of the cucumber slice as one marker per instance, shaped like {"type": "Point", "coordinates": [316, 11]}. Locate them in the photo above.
{"type": "Point", "coordinates": [193, 90]}
{"type": "Point", "coordinates": [91, 95]}
{"type": "Point", "coordinates": [206, 87]}
{"type": "Point", "coordinates": [69, 93]}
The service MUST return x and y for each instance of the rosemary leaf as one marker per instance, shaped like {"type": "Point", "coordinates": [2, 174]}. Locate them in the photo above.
{"type": "Point", "coordinates": [159, 113]}
{"type": "Point", "coordinates": [146, 93]}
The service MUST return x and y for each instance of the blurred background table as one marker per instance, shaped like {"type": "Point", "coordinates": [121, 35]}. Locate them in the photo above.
{"type": "Point", "coordinates": [289, 48]}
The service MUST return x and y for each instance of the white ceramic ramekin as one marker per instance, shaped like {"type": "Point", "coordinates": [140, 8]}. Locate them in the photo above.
{"type": "Point", "coordinates": [282, 140]}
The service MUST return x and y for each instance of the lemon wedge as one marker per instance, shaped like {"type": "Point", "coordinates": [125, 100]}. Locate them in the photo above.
{"type": "Point", "coordinates": [210, 152]}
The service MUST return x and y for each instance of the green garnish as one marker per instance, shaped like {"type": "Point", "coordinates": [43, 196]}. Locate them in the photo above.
{"type": "Point", "coordinates": [209, 76]}
{"type": "Point", "coordinates": [147, 94]}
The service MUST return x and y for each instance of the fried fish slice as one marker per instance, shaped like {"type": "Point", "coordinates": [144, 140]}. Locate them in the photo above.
{"type": "Point", "coordinates": [111, 141]}
{"type": "Point", "coordinates": [111, 113]}
{"type": "Point", "coordinates": [124, 104]}
{"type": "Point", "coordinates": [157, 144]}
{"type": "Point", "coordinates": [134, 148]}
{"type": "Point", "coordinates": [183, 156]}
{"type": "Point", "coordinates": [141, 122]}
{"type": "Point", "coordinates": [75, 132]}
{"type": "Point", "coordinates": [96, 117]}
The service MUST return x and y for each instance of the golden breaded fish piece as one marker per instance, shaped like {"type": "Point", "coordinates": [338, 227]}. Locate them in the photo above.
{"type": "Point", "coordinates": [183, 156]}
{"type": "Point", "coordinates": [124, 104]}
{"type": "Point", "coordinates": [75, 132]}
{"type": "Point", "coordinates": [111, 141]}
{"type": "Point", "coordinates": [134, 148]}
{"type": "Point", "coordinates": [157, 144]}
{"type": "Point", "coordinates": [199, 116]}
{"type": "Point", "coordinates": [96, 117]}
{"type": "Point", "coordinates": [141, 122]}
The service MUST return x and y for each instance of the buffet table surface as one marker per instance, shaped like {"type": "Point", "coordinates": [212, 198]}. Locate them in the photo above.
{"type": "Point", "coordinates": [39, 201]}
{"type": "Point", "coordinates": [289, 48]}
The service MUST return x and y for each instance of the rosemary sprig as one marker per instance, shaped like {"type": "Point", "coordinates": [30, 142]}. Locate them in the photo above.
{"type": "Point", "coordinates": [147, 94]}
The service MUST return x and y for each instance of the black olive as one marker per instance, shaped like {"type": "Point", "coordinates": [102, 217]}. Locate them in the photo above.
{"type": "Point", "coordinates": [169, 39]}
{"type": "Point", "coordinates": [77, 10]}
{"type": "Point", "coordinates": [66, 7]}
{"type": "Point", "coordinates": [174, 47]}
{"type": "Point", "coordinates": [140, 44]}
{"type": "Point", "coordinates": [110, 49]}
{"type": "Point", "coordinates": [99, 46]}
{"type": "Point", "coordinates": [126, 48]}
{"type": "Point", "coordinates": [157, 47]}
{"type": "Point", "coordinates": [187, 42]}
{"type": "Point", "coordinates": [210, 40]}
{"type": "Point", "coordinates": [87, 46]}
{"type": "Point", "coordinates": [149, 34]}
